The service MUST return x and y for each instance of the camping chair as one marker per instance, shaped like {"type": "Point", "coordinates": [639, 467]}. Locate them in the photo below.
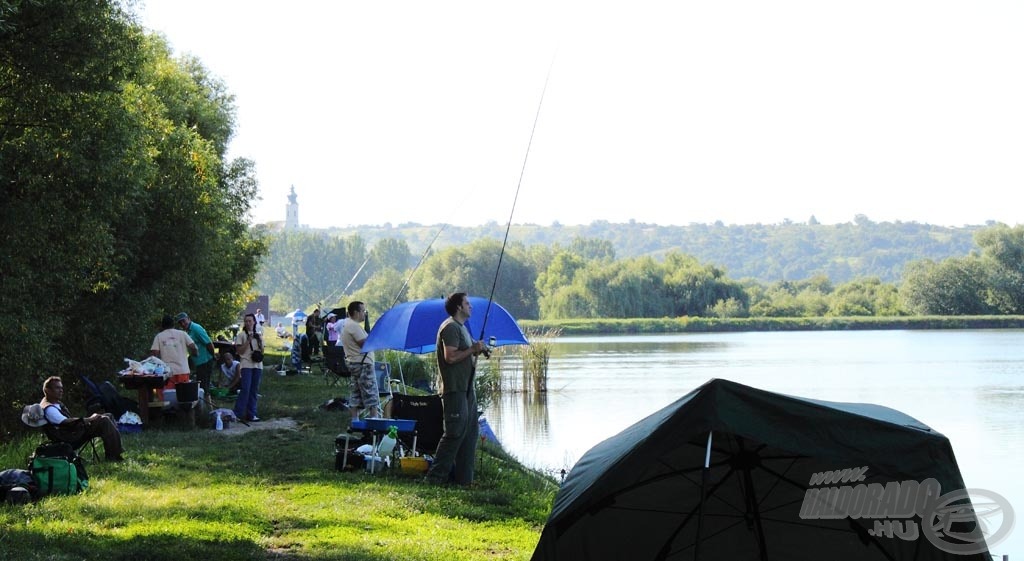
{"type": "Point", "coordinates": [34, 412]}
{"type": "Point", "coordinates": [305, 349]}
{"type": "Point", "coordinates": [426, 410]}
{"type": "Point", "coordinates": [93, 403]}
{"type": "Point", "coordinates": [334, 368]}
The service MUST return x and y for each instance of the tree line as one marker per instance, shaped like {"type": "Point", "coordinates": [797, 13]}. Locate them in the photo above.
{"type": "Point", "coordinates": [790, 250]}
{"type": "Point", "coordinates": [119, 205]}
{"type": "Point", "coordinates": [585, 279]}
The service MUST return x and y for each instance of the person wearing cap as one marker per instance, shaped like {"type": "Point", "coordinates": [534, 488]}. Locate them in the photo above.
{"type": "Point", "coordinates": [332, 329]}
{"type": "Point", "coordinates": [206, 353]}
{"type": "Point", "coordinates": [76, 431]}
{"type": "Point", "coordinates": [173, 347]}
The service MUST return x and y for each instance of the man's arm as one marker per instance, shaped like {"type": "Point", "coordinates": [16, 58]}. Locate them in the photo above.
{"type": "Point", "coordinates": [453, 354]}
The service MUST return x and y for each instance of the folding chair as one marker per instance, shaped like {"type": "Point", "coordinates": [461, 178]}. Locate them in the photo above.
{"type": "Point", "coordinates": [105, 397]}
{"type": "Point", "coordinates": [53, 435]}
{"type": "Point", "coordinates": [428, 413]}
{"type": "Point", "coordinates": [334, 368]}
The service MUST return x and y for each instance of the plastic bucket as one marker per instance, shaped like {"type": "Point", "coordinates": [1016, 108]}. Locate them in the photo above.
{"type": "Point", "coordinates": [187, 391]}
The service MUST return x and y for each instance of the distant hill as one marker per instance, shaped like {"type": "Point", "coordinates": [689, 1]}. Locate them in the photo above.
{"type": "Point", "coordinates": [766, 252]}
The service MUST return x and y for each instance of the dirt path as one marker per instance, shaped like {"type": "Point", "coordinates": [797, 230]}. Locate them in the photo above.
{"type": "Point", "coordinates": [237, 428]}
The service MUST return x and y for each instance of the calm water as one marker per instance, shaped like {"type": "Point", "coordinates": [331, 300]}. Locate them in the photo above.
{"type": "Point", "coordinates": [968, 385]}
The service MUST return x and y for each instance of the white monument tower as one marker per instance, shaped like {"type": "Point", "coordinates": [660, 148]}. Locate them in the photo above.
{"type": "Point", "coordinates": [291, 221]}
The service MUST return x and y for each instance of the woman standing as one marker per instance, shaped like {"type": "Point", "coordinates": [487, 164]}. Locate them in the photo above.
{"type": "Point", "coordinates": [249, 348]}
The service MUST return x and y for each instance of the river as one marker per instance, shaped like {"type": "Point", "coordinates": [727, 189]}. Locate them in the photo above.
{"type": "Point", "coordinates": [966, 384]}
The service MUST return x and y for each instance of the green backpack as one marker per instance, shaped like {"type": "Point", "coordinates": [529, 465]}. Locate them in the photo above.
{"type": "Point", "coordinates": [57, 469]}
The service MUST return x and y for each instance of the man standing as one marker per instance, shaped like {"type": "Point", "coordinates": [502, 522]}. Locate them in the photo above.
{"type": "Point", "coordinates": [205, 351]}
{"type": "Point", "coordinates": [173, 347]}
{"type": "Point", "coordinates": [456, 360]}
{"type": "Point", "coordinates": [77, 430]}
{"type": "Point", "coordinates": [365, 394]}
{"type": "Point", "coordinates": [312, 330]}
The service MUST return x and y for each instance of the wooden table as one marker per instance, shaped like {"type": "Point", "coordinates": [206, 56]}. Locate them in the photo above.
{"type": "Point", "coordinates": [144, 385]}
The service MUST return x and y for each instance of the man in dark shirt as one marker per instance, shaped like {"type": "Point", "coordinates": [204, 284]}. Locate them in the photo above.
{"type": "Point", "coordinates": [456, 359]}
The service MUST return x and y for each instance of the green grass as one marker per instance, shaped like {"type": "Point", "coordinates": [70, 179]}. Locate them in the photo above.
{"type": "Point", "coordinates": [273, 495]}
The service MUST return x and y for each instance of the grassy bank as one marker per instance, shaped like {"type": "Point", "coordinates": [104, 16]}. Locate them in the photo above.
{"type": "Point", "coordinates": [711, 325]}
{"type": "Point", "coordinates": [273, 495]}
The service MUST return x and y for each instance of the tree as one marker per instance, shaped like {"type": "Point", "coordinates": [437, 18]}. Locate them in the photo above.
{"type": "Point", "coordinates": [1002, 249]}
{"type": "Point", "coordinates": [864, 297]}
{"type": "Point", "coordinates": [471, 269]}
{"type": "Point", "coordinates": [391, 253]}
{"type": "Point", "coordinates": [380, 291]}
{"type": "Point", "coordinates": [104, 137]}
{"type": "Point", "coordinates": [312, 268]}
{"type": "Point", "coordinates": [550, 282]}
{"type": "Point", "coordinates": [693, 289]}
{"type": "Point", "coordinates": [954, 286]}
{"type": "Point", "coordinates": [592, 248]}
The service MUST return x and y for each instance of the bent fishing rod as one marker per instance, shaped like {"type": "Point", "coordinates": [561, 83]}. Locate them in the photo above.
{"type": "Point", "coordinates": [508, 226]}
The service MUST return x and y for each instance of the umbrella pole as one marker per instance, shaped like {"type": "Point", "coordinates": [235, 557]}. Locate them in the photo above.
{"type": "Point", "coordinates": [704, 475]}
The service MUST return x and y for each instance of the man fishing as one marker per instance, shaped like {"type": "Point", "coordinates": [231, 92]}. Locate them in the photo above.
{"type": "Point", "coordinates": [456, 360]}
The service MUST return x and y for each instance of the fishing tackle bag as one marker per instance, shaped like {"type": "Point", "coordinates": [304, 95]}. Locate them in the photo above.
{"type": "Point", "coordinates": [58, 469]}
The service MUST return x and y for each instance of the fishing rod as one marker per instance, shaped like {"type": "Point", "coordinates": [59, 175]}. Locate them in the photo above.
{"type": "Point", "coordinates": [508, 227]}
{"type": "Point", "coordinates": [351, 280]}
{"type": "Point", "coordinates": [417, 267]}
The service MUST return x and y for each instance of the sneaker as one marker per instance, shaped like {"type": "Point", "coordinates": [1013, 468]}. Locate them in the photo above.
{"type": "Point", "coordinates": [254, 419]}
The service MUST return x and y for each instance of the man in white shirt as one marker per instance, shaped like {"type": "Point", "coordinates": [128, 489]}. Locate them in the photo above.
{"type": "Point", "coordinates": [78, 430]}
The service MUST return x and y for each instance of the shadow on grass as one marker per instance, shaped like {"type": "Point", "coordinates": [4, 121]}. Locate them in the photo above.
{"type": "Point", "coordinates": [32, 545]}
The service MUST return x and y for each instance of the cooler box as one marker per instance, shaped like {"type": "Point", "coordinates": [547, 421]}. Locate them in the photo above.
{"type": "Point", "coordinates": [383, 425]}
{"type": "Point", "coordinates": [171, 397]}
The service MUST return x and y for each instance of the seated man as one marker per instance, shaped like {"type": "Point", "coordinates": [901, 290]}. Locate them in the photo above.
{"type": "Point", "coordinates": [76, 431]}
{"type": "Point", "coordinates": [282, 332]}
{"type": "Point", "coordinates": [229, 370]}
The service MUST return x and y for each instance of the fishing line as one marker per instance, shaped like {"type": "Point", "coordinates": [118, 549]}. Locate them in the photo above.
{"type": "Point", "coordinates": [417, 267]}
{"type": "Point", "coordinates": [508, 227]}
{"type": "Point", "coordinates": [351, 280]}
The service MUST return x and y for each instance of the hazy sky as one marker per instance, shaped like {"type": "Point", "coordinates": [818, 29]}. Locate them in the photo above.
{"type": "Point", "coordinates": [660, 112]}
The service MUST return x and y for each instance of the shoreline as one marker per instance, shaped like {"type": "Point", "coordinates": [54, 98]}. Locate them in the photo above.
{"type": "Point", "coordinates": [725, 325]}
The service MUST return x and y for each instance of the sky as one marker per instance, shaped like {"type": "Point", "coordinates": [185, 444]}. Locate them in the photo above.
{"type": "Point", "coordinates": [571, 112]}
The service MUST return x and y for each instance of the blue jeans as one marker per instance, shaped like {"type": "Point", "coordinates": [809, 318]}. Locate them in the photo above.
{"type": "Point", "coordinates": [245, 403]}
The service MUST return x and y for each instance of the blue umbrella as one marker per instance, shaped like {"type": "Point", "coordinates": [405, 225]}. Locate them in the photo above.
{"type": "Point", "coordinates": [297, 315]}
{"type": "Point", "coordinates": [412, 326]}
